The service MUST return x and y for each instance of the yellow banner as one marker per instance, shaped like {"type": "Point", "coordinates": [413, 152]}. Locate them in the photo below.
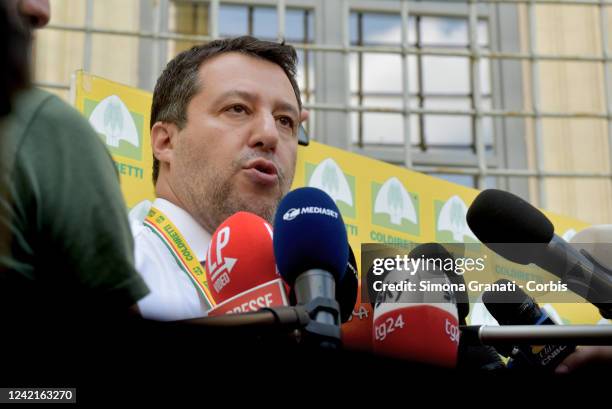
{"type": "Point", "coordinates": [120, 114]}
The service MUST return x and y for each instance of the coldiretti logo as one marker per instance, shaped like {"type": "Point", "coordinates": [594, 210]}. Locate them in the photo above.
{"type": "Point", "coordinates": [120, 129]}
{"type": "Point", "coordinates": [393, 207]}
{"type": "Point", "coordinates": [329, 177]}
{"type": "Point", "coordinates": [451, 225]}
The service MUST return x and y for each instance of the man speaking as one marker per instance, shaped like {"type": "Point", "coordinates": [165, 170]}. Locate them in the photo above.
{"type": "Point", "coordinates": [224, 136]}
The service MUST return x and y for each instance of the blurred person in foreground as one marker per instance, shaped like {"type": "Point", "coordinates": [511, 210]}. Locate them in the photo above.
{"type": "Point", "coordinates": [66, 252]}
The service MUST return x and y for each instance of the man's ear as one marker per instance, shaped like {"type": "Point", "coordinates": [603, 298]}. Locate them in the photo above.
{"type": "Point", "coordinates": [162, 141]}
{"type": "Point", "coordinates": [304, 115]}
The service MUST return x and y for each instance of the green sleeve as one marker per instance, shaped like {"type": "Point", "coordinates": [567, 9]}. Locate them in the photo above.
{"type": "Point", "coordinates": [72, 209]}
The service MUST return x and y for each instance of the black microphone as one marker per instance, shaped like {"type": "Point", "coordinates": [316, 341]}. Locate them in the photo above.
{"type": "Point", "coordinates": [518, 308]}
{"type": "Point", "coordinates": [498, 217]}
{"type": "Point", "coordinates": [346, 290]}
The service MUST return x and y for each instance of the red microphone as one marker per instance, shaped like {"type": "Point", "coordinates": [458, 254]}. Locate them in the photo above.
{"type": "Point", "coordinates": [415, 323]}
{"type": "Point", "coordinates": [240, 266]}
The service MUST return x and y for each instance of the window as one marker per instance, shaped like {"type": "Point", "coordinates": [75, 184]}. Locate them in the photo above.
{"type": "Point", "coordinates": [435, 83]}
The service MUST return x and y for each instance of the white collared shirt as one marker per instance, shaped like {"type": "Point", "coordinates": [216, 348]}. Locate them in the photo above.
{"type": "Point", "coordinates": [173, 295]}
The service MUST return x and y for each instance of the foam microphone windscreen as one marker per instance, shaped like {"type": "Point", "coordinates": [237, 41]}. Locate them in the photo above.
{"type": "Point", "coordinates": [240, 256]}
{"type": "Point", "coordinates": [497, 216]}
{"type": "Point", "coordinates": [309, 233]}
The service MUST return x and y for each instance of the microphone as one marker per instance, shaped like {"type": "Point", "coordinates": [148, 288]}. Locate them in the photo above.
{"type": "Point", "coordinates": [518, 308]}
{"type": "Point", "coordinates": [498, 217]}
{"type": "Point", "coordinates": [346, 291]}
{"type": "Point", "coordinates": [240, 266]}
{"type": "Point", "coordinates": [311, 251]}
{"type": "Point", "coordinates": [417, 325]}
{"type": "Point", "coordinates": [470, 356]}
{"type": "Point", "coordinates": [348, 288]}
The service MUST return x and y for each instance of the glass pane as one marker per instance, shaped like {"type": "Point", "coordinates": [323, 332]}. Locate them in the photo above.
{"type": "Point", "coordinates": [265, 23]}
{"type": "Point", "coordinates": [294, 26]}
{"type": "Point", "coordinates": [415, 125]}
{"type": "Point", "coordinates": [448, 129]}
{"type": "Point", "coordinates": [354, 121]}
{"type": "Point", "coordinates": [412, 30]}
{"type": "Point", "coordinates": [311, 27]}
{"type": "Point", "coordinates": [490, 182]}
{"type": "Point", "coordinates": [382, 72]}
{"type": "Point", "coordinates": [305, 60]}
{"type": "Point", "coordinates": [353, 67]}
{"type": "Point", "coordinates": [487, 123]}
{"type": "Point", "coordinates": [382, 127]}
{"type": "Point", "coordinates": [353, 28]}
{"type": "Point", "coordinates": [311, 71]}
{"type": "Point", "coordinates": [485, 76]}
{"type": "Point", "coordinates": [413, 74]}
{"type": "Point", "coordinates": [186, 18]}
{"type": "Point", "coordinates": [444, 31]}
{"type": "Point", "coordinates": [483, 33]}
{"type": "Point", "coordinates": [382, 28]}
{"type": "Point", "coordinates": [448, 75]}
{"type": "Point", "coordinates": [233, 20]}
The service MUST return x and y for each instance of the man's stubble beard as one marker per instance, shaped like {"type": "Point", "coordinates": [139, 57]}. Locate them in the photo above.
{"type": "Point", "coordinates": [214, 197]}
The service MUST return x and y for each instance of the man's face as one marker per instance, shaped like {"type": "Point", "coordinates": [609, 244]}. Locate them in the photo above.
{"type": "Point", "coordinates": [238, 148]}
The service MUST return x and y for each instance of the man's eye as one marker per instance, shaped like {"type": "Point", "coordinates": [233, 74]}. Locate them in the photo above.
{"type": "Point", "coordinates": [238, 109]}
{"type": "Point", "coordinates": [286, 121]}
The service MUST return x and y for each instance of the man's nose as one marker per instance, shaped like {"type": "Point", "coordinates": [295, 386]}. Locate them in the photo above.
{"type": "Point", "coordinates": [36, 12]}
{"type": "Point", "coordinates": [265, 133]}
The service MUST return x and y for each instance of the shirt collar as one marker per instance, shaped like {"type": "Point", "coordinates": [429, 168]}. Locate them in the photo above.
{"type": "Point", "coordinates": [197, 237]}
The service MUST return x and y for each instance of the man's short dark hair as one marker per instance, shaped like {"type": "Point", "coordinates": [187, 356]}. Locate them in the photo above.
{"type": "Point", "coordinates": [178, 83]}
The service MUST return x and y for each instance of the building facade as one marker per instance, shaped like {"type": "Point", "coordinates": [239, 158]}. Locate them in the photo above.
{"type": "Point", "coordinates": [513, 94]}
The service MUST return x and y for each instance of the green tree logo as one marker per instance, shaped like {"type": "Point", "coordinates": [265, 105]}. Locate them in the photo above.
{"type": "Point", "coordinates": [451, 218]}
{"type": "Point", "coordinates": [120, 128]}
{"type": "Point", "coordinates": [395, 201]}
{"type": "Point", "coordinates": [113, 122]}
{"type": "Point", "coordinates": [330, 179]}
{"type": "Point", "coordinates": [393, 207]}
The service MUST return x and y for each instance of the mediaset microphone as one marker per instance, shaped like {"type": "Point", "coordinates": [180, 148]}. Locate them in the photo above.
{"type": "Point", "coordinates": [498, 217]}
{"type": "Point", "coordinates": [311, 251]}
